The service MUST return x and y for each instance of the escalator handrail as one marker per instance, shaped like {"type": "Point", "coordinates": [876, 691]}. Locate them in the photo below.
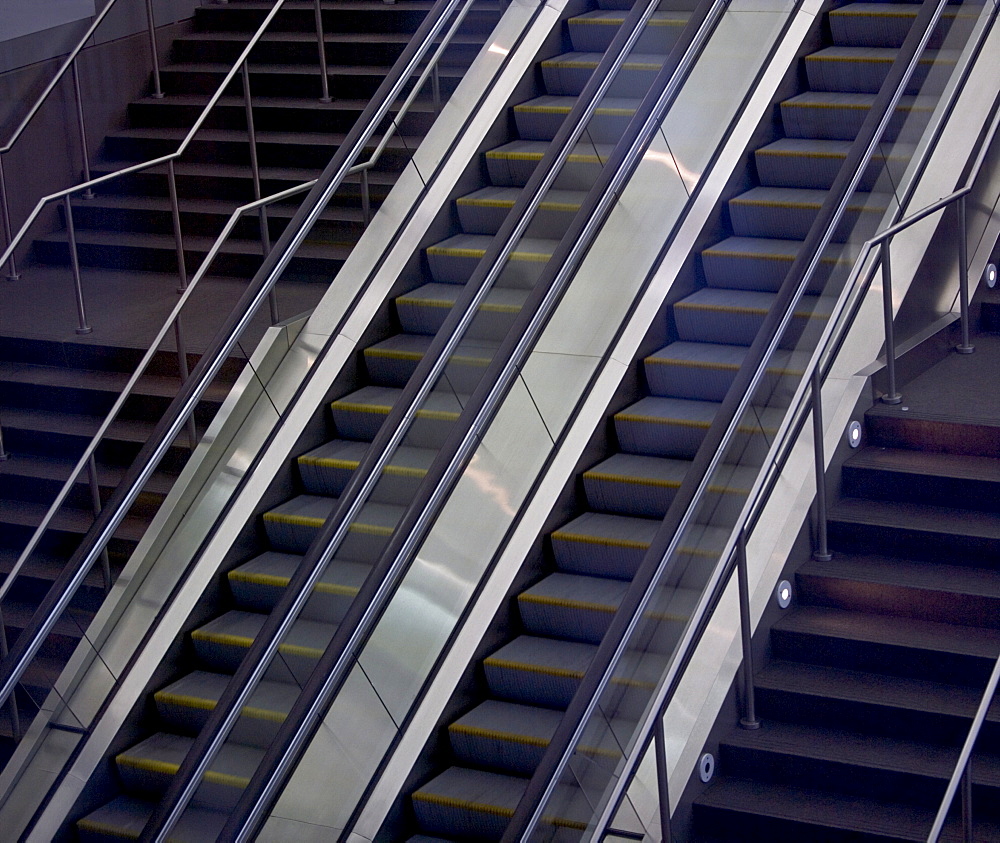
{"type": "Point", "coordinates": [724, 426]}
{"type": "Point", "coordinates": [332, 668]}
{"type": "Point", "coordinates": [366, 606]}
{"type": "Point", "coordinates": [64, 587]}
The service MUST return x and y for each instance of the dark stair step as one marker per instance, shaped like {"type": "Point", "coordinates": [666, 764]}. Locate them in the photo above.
{"type": "Point", "coordinates": [943, 479]}
{"type": "Point", "coordinates": [921, 530]}
{"type": "Point", "coordinates": [886, 585]}
{"type": "Point", "coordinates": [125, 816]}
{"type": "Point", "coordinates": [898, 426]}
{"type": "Point", "coordinates": [902, 646]}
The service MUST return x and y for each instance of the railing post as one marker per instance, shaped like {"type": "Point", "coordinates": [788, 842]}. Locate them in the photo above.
{"type": "Point", "coordinates": [265, 234]}
{"type": "Point", "coordinates": [891, 397]}
{"type": "Point", "coordinates": [749, 719]}
{"type": "Point", "coordinates": [662, 782]}
{"type": "Point", "coordinates": [74, 260]}
{"type": "Point", "coordinates": [95, 500]}
{"type": "Point", "coordinates": [822, 552]}
{"type": "Point", "coordinates": [12, 275]}
{"type": "Point", "coordinates": [151, 27]}
{"type": "Point", "coordinates": [436, 88]}
{"type": "Point", "coordinates": [175, 214]}
{"type": "Point", "coordinates": [3, 450]}
{"type": "Point", "coordinates": [182, 368]}
{"type": "Point", "coordinates": [321, 45]}
{"type": "Point", "coordinates": [15, 716]}
{"type": "Point", "coordinates": [82, 127]}
{"type": "Point", "coordinates": [967, 802]}
{"type": "Point", "coordinates": [366, 202]}
{"type": "Point", "coordinates": [964, 347]}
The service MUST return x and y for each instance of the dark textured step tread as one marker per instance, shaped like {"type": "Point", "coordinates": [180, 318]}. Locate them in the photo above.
{"type": "Point", "coordinates": [937, 464]}
{"type": "Point", "coordinates": [924, 518]}
{"type": "Point", "coordinates": [874, 688]}
{"type": "Point", "coordinates": [133, 202]}
{"type": "Point", "coordinates": [57, 470]}
{"type": "Point", "coordinates": [894, 631]}
{"type": "Point", "coordinates": [950, 415]}
{"type": "Point", "coordinates": [74, 424]}
{"type": "Point", "coordinates": [67, 519]}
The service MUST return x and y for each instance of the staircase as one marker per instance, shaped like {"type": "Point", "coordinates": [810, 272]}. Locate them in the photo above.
{"type": "Point", "coordinates": [54, 394]}
{"type": "Point", "coordinates": [877, 669]}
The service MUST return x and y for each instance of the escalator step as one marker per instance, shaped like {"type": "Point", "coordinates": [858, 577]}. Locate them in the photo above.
{"type": "Point", "coordinates": [884, 24]}
{"type": "Point", "coordinates": [453, 260]}
{"type": "Point", "coordinates": [424, 309]}
{"type": "Point", "coordinates": [538, 671]}
{"type": "Point", "coordinates": [863, 69]}
{"type": "Point", "coordinates": [149, 766]}
{"type": "Point", "coordinates": [124, 817]}
{"type": "Point", "coordinates": [634, 484]}
{"type": "Point", "coordinates": [784, 212]}
{"type": "Point", "coordinates": [760, 264]}
{"type": "Point", "coordinates": [325, 470]}
{"type": "Point", "coordinates": [665, 427]}
{"type": "Point", "coordinates": [603, 545]}
{"type": "Point", "coordinates": [512, 736]}
{"type": "Point", "coordinates": [568, 74]}
{"type": "Point", "coordinates": [360, 414]}
{"type": "Point", "coordinates": [259, 583]}
{"type": "Point", "coordinates": [541, 117]}
{"type": "Point", "coordinates": [186, 704]}
{"type": "Point", "coordinates": [293, 525]}
{"type": "Point", "coordinates": [594, 31]}
{"type": "Point", "coordinates": [483, 211]}
{"type": "Point", "coordinates": [513, 163]}
{"type": "Point", "coordinates": [469, 804]}
{"type": "Point", "coordinates": [222, 642]}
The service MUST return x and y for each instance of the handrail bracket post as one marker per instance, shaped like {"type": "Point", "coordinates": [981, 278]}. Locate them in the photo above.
{"type": "Point", "coordinates": [965, 346]}
{"type": "Point", "coordinates": [891, 396]}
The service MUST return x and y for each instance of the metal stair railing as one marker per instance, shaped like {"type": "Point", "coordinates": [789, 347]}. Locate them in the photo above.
{"type": "Point", "coordinates": [664, 551]}
{"type": "Point", "coordinates": [378, 588]}
{"type": "Point", "coordinates": [18, 657]}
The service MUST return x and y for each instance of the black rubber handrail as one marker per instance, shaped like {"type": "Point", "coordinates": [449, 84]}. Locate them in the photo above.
{"type": "Point", "coordinates": [114, 511]}
{"type": "Point", "coordinates": [690, 494]}
{"type": "Point", "coordinates": [324, 545]}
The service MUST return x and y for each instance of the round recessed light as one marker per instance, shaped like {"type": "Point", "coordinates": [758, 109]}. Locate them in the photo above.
{"type": "Point", "coordinates": [706, 767]}
{"type": "Point", "coordinates": [990, 274]}
{"type": "Point", "coordinates": [854, 434]}
{"type": "Point", "coordinates": [784, 594]}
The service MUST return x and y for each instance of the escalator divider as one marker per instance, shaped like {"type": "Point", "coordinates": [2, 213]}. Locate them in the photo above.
{"type": "Point", "coordinates": [661, 552]}
{"type": "Point", "coordinates": [364, 611]}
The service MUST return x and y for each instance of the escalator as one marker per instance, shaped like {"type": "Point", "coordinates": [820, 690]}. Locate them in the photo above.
{"type": "Point", "coordinates": [579, 580]}
{"type": "Point", "coordinates": [392, 351]}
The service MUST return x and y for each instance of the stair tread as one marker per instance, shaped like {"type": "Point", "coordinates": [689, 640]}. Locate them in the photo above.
{"type": "Point", "coordinates": [918, 517]}
{"type": "Point", "coordinates": [905, 573]}
{"type": "Point", "coordinates": [937, 464]}
{"type": "Point", "coordinates": [238, 629]}
{"type": "Point", "coordinates": [67, 519]}
{"type": "Point", "coordinates": [513, 721]}
{"type": "Point", "coordinates": [590, 60]}
{"type": "Point", "coordinates": [616, 17]}
{"type": "Point", "coordinates": [534, 150]}
{"type": "Point", "coordinates": [805, 198]}
{"type": "Point", "coordinates": [313, 510]}
{"type": "Point", "coordinates": [877, 752]}
{"type": "Point", "coordinates": [202, 690]}
{"type": "Point", "coordinates": [217, 170]}
{"type": "Point", "coordinates": [58, 470]}
{"type": "Point", "coordinates": [586, 593]}
{"type": "Point", "coordinates": [276, 569]}
{"type": "Point", "coordinates": [874, 688]}
{"type": "Point", "coordinates": [562, 104]}
{"type": "Point", "coordinates": [347, 454]}
{"type": "Point", "coordinates": [325, 139]}
{"type": "Point", "coordinates": [949, 415]}
{"type": "Point", "coordinates": [722, 356]}
{"type": "Point", "coordinates": [492, 196]}
{"type": "Point", "coordinates": [381, 399]}
{"type": "Point", "coordinates": [891, 630]}
{"type": "Point", "coordinates": [305, 37]}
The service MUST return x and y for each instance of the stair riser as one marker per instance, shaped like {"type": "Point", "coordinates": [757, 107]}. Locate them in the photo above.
{"type": "Point", "coordinates": [307, 117]}
{"type": "Point", "coordinates": [237, 151]}
{"type": "Point", "coordinates": [914, 543]}
{"type": "Point", "coordinates": [861, 30]}
{"type": "Point", "coordinates": [739, 328]}
{"type": "Point", "coordinates": [165, 260]}
{"type": "Point", "coordinates": [417, 319]}
{"type": "Point", "coordinates": [793, 223]}
{"type": "Point", "coordinates": [251, 731]}
{"type": "Point", "coordinates": [209, 794]}
{"type": "Point", "coordinates": [952, 492]}
{"type": "Point", "coordinates": [505, 755]}
{"type": "Point", "coordinates": [30, 590]}
{"type": "Point", "coordinates": [44, 491]}
{"type": "Point", "coordinates": [839, 123]}
{"type": "Point", "coordinates": [913, 662]}
{"type": "Point", "coordinates": [113, 451]}
{"type": "Point", "coordinates": [737, 825]}
{"type": "Point", "coordinates": [814, 173]}
{"type": "Point", "coordinates": [597, 37]}
{"type": "Point", "coordinates": [921, 434]}
{"type": "Point", "coordinates": [865, 76]}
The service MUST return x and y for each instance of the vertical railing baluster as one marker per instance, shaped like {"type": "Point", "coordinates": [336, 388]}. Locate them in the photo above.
{"type": "Point", "coordinates": [95, 501]}
{"type": "Point", "coordinates": [82, 128]}
{"type": "Point", "coordinates": [321, 45]}
{"type": "Point", "coordinates": [12, 274]}
{"type": "Point", "coordinates": [74, 260]}
{"type": "Point", "coordinates": [151, 28]}
{"type": "Point", "coordinates": [965, 346]}
{"type": "Point", "coordinates": [822, 552]}
{"type": "Point", "coordinates": [662, 780]}
{"type": "Point", "coordinates": [366, 201]}
{"type": "Point", "coordinates": [891, 396]}
{"type": "Point", "coordinates": [15, 716]}
{"type": "Point", "coordinates": [967, 802]}
{"type": "Point", "coordinates": [175, 215]}
{"type": "Point", "coordinates": [182, 368]}
{"type": "Point", "coordinates": [749, 719]}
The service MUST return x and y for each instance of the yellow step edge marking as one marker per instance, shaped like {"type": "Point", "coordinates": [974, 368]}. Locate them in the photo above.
{"type": "Point", "coordinates": [564, 109]}
{"type": "Point", "coordinates": [592, 65]}
{"type": "Point", "coordinates": [329, 462]}
{"type": "Point", "coordinates": [393, 355]}
{"type": "Point", "coordinates": [693, 364]}
{"type": "Point", "coordinates": [561, 672]}
{"type": "Point", "coordinates": [575, 158]}
{"type": "Point", "coordinates": [637, 481]}
{"type": "Point", "coordinates": [148, 765]}
{"type": "Point", "coordinates": [107, 829]}
{"type": "Point", "coordinates": [627, 544]}
{"type": "Point", "coordinates": [620, 21]}
{"type": "Point", "coordinates": [564, 603]}
{"type": "Point", "coordinates": [294, 520]}
{"type": "Point", "coordinates": [468, 360]}
{"type": "Point", "coordinates": [799, 206]}
{"type": "Point", "coordinates": [424, 302]}
{"type": "Point", "coordinates": [300, 650]}
{"type": "Point", "coordinates": [354, 407]}
{"type": "Point", "coordinates": [222, 638]}
{"type": "Point", "coordinates": [185, 701]}
{"type": "Point", "coordinates": [403, 471]}
{"type": "Point", "coordinates": [630, 417]}
{"type": "Point", "coordinates": [509, 203]}
{"type": "Point", "coordinates": [501, 308]}
{"type": "Point", "coordinates": [492, 734]}
{"type": "Point", "coordinates": [274, 581]}
{"type": "Point", "coordinates": [437, 415]}
{"type": "Point", "coordinates": [723, 253]}
{"type": "Point", "coordinates": [792, 153]}
{"type": "Point", "coordinates": [463, 804]}
{"type": "Point", "coordinates": [534, 257]}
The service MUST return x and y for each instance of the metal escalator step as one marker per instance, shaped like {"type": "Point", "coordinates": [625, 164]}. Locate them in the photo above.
{"type": "Point", "coordinates": [394, 360]}
{"type": "Point", "coordinates": [571, 606]}
{"type": "Point", "coordinates": [513, 163]}
{"type": "Point", "coordinates": [184, 705]}
{"type": "Point", "coordinates": [883, 24]}
{"type": "Point", "coordinates": [603, 545]}
{"type": "Point", "coordinates": [634, 484]}
{"type": "Point", "coordinates": [567, 74]}
{"type": "Point", "coordinates": [784, 212]}
{"type": "Point", "coordinates": [735, 316]}
{"type": "Point", "coordinates": [483, 211]}
{"type": "Point", "coordinates": [467, 804]}
{"type": "Point", "coordinates": [259, 583]}
{"type": "Point", "coordinates": [664, 427]}
{"type": "Point", "coordinates": [453, 261]}
{"type": "Point", "coordinates": [863, 69]}
{"type": "Point", "coordinates": [761, 263]}
{"type": "Point", "coordinates": [538, 671]}
{"type": "Point", "coordinates": [222, 642]}
{"type": "Point", "coordinates": [124, 817]}
{"type": "Point", "coordinates": [424, 309]}
{"type": "Point", "coordinates": [148, 767]}
{"type": "Point", "coordinates": [504, 736]}
{"type": "Point", "coordinates": [360, 414]}
{"type": "Point", "coordinates": [800, 162]}
{"type": "Point", "coordinates": [593, 31]}
{"type": "Point", "coordinates": [293, 525]}
{"type": "Point", "coordinates": [325, 470]}
{"type": "Point", "coordinates": [541, 117]}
